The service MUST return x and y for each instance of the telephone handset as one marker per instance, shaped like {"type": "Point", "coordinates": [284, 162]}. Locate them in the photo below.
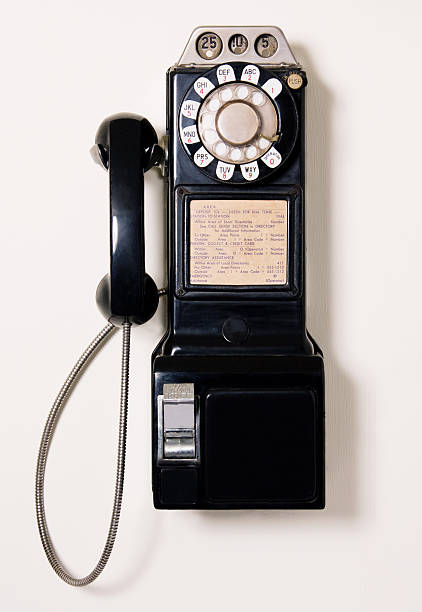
{"type": "Point", "coordinates": [237, 381]}
{"type": "Point", "coordinates": [126, 145]}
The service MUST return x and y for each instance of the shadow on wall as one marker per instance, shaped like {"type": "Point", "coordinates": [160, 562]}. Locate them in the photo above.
{"type": "Point", "coordinates": [342, 489]}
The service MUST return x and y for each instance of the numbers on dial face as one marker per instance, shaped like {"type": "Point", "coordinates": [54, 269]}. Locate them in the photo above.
{"type": "Point", "coordinates": [250, 74]}
{"type": "Point", "coordinates": [189, 134]}
{"type": "Point", "coordinates": [224, 171]}
{"type": "Point", "coordinates": [190, 109]}
{"type": "Point", "coordinates": [203, 87]}
{"type": "Point", "coordinates": [225, 74]}
{"type": "Point", "coordinates": [238, 123]}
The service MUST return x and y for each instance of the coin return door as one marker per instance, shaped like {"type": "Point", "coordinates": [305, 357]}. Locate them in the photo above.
{"type": "Point", "coordinates": [178, 424]}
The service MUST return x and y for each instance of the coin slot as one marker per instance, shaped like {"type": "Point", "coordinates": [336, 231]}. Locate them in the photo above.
{"type": "Point", "coordinates": [266, 45]}
{"type": "Point", "coordinates": [209, 45]}
{"type": "Point", "coordinates": [238, 44]}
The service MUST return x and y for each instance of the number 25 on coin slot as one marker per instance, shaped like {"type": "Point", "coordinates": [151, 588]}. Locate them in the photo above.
{"type": "Point", "coordinates": [237, 381]}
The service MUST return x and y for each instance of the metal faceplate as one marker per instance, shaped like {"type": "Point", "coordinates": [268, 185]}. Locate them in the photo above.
{"type": "Point", "coordinates": [177, 423]}
{"type": "Point", "coordinates": [224, 50]}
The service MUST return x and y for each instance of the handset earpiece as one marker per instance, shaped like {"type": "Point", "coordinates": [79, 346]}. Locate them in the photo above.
{"type": "Point", "coordinates": [126, 145]}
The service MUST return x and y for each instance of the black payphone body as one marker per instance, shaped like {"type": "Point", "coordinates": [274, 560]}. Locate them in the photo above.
{"type": "Point", "coordinates": [238, 383]}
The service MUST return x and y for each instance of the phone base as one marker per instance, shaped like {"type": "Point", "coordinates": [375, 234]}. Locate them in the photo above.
{"type": "Point", "coordinates": [238, 432]}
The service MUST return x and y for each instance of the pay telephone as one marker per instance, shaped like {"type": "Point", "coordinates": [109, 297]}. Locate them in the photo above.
{"type": "Point", "coordinates": [237, 381]}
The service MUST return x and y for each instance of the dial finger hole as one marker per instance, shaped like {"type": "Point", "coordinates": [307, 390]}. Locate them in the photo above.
{"type": "Point", "coordinates": [210, 136]}
{"type": "Point", "coordinates": [235, 154]}
{"type": "Point", "coordinates": [258, 99]}
{"type": "Point", "coordinates": [242, 92]}
{"type": "Point", "coordinates": [221, 149]}
{"type": "Point", "coordinates": [214, 104]}
{"type": "Point", "coordinates": [251, 152]}
{"type": "Point", "coordinates": [208, 120]}
{"type": "Point", "coordinates": [263, 143]}
{"type": "Point", "coordinates": [226, 94]}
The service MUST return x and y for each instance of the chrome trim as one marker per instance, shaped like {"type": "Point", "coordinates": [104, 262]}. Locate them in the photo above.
{"type": "Point", "coordinates": [283, 56]}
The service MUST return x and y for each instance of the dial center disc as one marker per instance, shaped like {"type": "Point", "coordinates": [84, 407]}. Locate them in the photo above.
{"type": "Point", "coordinates": [237, 123]}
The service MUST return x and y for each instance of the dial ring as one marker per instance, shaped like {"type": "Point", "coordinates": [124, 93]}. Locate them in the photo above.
{"type": "Point", "coordinates": [238, 123]}
{"type": "Point", "coordinates": [214, 162]}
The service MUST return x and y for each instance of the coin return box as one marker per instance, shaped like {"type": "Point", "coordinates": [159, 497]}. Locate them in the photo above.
{"type": "Point", "coordinates": [177, 424]}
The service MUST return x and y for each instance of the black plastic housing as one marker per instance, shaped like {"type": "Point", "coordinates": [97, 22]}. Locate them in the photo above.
{"type": "Point", "coordinates": [258, 375]}
{"type": "Point", "coordinates": [126, 145]}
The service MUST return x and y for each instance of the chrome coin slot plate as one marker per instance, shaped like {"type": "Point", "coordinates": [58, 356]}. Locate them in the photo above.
{"type": "Point", "coordinates": [261, 44]}
{"type": "Point", "coordinates": [178, 424]}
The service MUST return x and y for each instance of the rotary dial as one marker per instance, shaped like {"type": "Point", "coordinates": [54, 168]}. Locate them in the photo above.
{"type": "Point", "coordinates": [238, 122]}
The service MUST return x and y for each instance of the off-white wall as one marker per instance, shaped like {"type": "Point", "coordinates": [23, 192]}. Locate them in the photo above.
{"type": "Point", "coordinates": [67, 65]}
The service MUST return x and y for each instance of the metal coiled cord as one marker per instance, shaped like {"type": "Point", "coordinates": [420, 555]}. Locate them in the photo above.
{"type": "Point", "coordinates": [121, 455]}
